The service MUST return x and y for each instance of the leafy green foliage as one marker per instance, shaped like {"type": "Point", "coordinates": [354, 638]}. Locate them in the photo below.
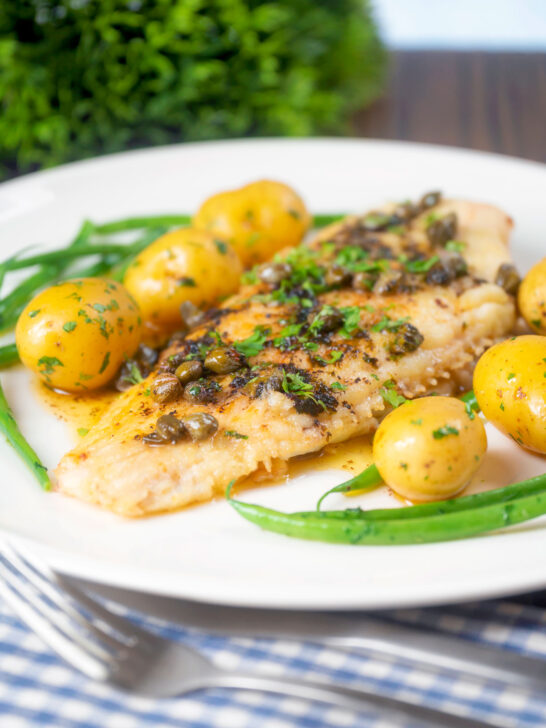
{"type": "Point", "coordinates": [77, 79]}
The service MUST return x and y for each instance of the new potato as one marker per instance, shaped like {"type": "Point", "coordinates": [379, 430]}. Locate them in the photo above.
{"type": "Point", "coordinates": [510, 386]}
{"type": "Point", "coordinates": [182, 265]}
{"type": "Point", "coordinates": [532, 297]}
{"type": "Point", "coordinates": [429, 448]}
{"type": "Point", "coordinates": [258, 219]}
{"type": "Point", "coordinates": [76, 335]}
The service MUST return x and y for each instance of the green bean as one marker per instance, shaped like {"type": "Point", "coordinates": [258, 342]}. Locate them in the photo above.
{"type": "Point", "coordinates": [10, 429]}
{"type": "Point", "coordinates": [8, 355]}
{"type": "Point", "coordinates": [532, 486]}
{"type": "Point", "coordinates": [136, 223]}
{"type": "Point", "coordinates": [423, 528]}
{"type": "Point", "coordinates": [323, 220]}
{"type": "Point", "coordinates": [12, 305]}
{"type": "Point", "coordinates": [366, 480]}
{"type": "Point", "coordinates": [66, 254]}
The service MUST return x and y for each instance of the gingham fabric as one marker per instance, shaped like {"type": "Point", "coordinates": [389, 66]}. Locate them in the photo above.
{"type": "Point", "coordinates": [38, 689]}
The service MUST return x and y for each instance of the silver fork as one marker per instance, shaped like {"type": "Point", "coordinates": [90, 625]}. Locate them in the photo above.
{"type": "Point", "coordinates": [107, 647]}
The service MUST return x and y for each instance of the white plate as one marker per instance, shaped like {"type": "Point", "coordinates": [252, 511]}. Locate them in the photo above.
{"type": "Point", "coordinates": [209, 553]}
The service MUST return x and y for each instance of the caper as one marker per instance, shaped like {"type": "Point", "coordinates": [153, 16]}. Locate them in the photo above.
{"type": "Point", "coordinates": [407, 338]}
{"type": "Point", "coordinates": [202, 390]}
{"type": "Point", "coordinates": [223, 360]}
{"type": "Point", "coordinates": [443, 230]}
{"type": "Point", "coordinates": [508, 278]}
{"type": "Point", "coordinates": [329, 321]}
{"type": "Point", "coordinates": [169, 428]}
{"type": "Point", "coordinates": [200, 425]}
{"type": "Point", "coordinates": [191, 315]}
{"type": "Point", "coordinates": [336, 275]}
{"type": "Point", "coordinates": [166, 387]}
{"type": "Point", "coordinates": [454, 263]}
{"type": "Point", "coordinates": [274, 273]}
{"type": "Point", "coordinates": [438, 275]}
{"type": "Point", "coordinates": [388, 282]}
{"type": "Point", "coordinates": [188, 371]}
{"type": "Point", "coordinates": [430, 199]}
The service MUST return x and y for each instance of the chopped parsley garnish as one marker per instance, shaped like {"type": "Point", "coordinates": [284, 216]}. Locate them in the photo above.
{"type": "Point", "coordinates": [511, 376]}
{"type": "Point", "coordinates": [134, 376]}
{"type": "Point", "coordinates": [418, 421]}
{"type": "Point", "coordinates": [285, 334]}
{"type": "Point", "coordinates": [431, 217]}
{"type": "Point", "coordinates": [338, 385]}
{"type": "Point", "coordinates": [236, 435]}
{"type": "Point", "coordinates": [420, 266]}
{"type": "Point", "coordinates": [34, 313]}
{"type": "Point", "coordinates": [455, 246]}
{"type": "Point", "coordinates": [105, 362]}
{"type": "Point", "coordinates": [250, 276]}
{"type": "Point", "coordinates": [49, 363]}
{"type": "Point", "coordinates": [293, 383]}
{"type": "Point", "coordinates": [221, 246]}
{"type": "Point", "coordinates": [217, 337]}
{"type": "Point", "coordinates": [254, 344]}
{"type": "Point", "coordinates": [82, 431]}
{"type": "Point", "coordinates": [99, 307]}
{"type": "Point", "coordinates": [444, 431]}
{"type": "Point", "coordinates": [69, 326]}
{"type": "Point", "coordinates": [335, 355]}
{"type": "Point", "coordinates": [187, 281]}
{"type": "Point", "coordinates": [390, 395]}
{"type": "Point", "coordinates": [351, 254]}
{"type": "Point", "coordinates": [351, 320]}
{"type": "Point", "coordinates": [388, 324]}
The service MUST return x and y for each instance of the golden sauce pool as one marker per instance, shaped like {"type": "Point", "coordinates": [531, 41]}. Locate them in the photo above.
{"type": "Point", "coordinates": [79, 411]}
{"type": "Point", "coordinates": [353, 456]}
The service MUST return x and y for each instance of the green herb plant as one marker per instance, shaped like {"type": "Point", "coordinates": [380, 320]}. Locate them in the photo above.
{"type": "Point", "coordinates": [79, 79]}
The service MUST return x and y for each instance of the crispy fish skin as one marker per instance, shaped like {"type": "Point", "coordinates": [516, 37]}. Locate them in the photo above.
{"type": "Point", "coordinates": [455, 323]}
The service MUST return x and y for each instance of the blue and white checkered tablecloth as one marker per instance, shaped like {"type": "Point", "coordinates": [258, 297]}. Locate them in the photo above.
{"type": "Point", "coordinates": [38, 689]}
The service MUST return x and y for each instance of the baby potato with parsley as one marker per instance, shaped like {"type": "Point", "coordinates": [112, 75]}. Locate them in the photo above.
{"type": "Point", "coordinates": [182, 265]}
{"type": "Point", "coordinates": [76, 335]}
{"type": "Point", "coordinates": [258, 219]}
{"type": "Point", "coordinates": [510, 386]}
{"type": "Point", "coordinates": [428, 448]}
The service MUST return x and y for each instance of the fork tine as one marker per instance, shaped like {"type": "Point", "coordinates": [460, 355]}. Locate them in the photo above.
{"type": "Point", "coordinates": [39, 585]}
{"type": "Point", "coordinates": [50, 634]}
{"type": "Point", "coordinates": [129, 631]}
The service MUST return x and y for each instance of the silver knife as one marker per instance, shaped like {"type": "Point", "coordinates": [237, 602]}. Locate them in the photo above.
{"type": "Point", "coordinates": [351, 633]}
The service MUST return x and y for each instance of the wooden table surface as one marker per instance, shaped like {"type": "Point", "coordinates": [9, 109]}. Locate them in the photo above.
{"type": "Point", "coordinates": [478, 100]}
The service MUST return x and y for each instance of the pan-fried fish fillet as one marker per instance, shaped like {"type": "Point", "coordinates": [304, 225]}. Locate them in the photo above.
{"type": "Point", "coordinates": [420, 327]}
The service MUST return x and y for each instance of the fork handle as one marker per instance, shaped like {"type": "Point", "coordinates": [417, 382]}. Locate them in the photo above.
{"type": "Point", "coordinates": [345, 697]}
